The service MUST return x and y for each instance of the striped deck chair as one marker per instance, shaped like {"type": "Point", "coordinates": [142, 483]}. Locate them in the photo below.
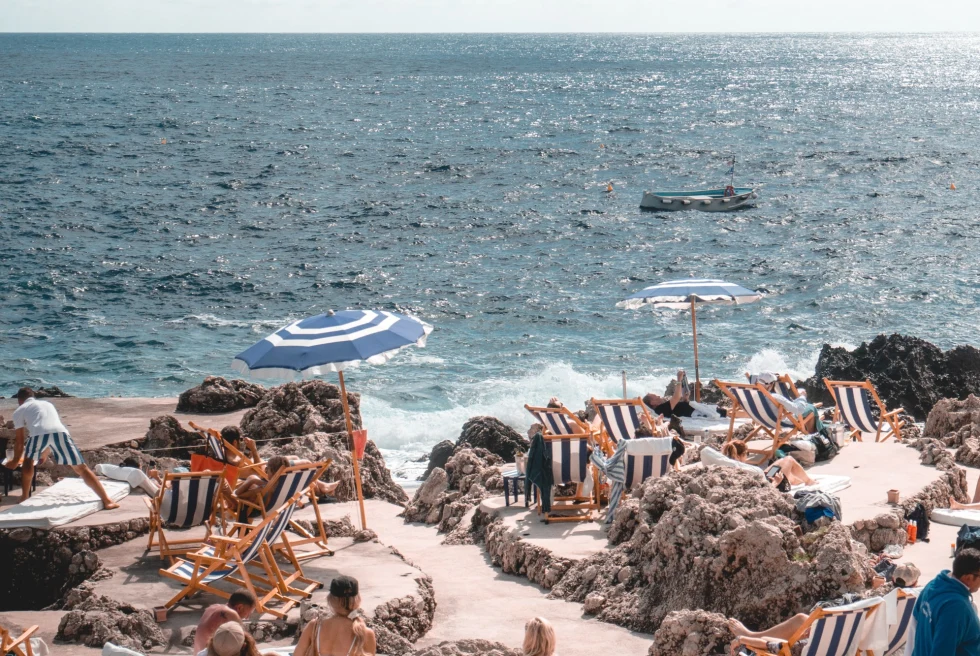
{"type": "Point", "coordinates": [283, 486]}
{"type": "Point", "coordinates": [621, 417]}
{"type": "Point", "coordinates": [769, 417]}
{"type": "Point", "coordinates": [220, 449]}
{"type": "Point", "coordinates": [628, 470]}
{"type": "Point", "coordinates": [184, 500]}
{"type": "Point", "coordinates": [853, 401]}
{"type": "Point", "coordinates": [19, 646]}
{"type": "Point", "coordinates": [570, 464]}
{"type": "Point", "coordinates": [245, 561]}
{"type": "Point", "coordinates": [561, 421]}
{"type": "Point", "coordinates": [898, 632]}
{"type": "Point", "coordinates": [832, 632]}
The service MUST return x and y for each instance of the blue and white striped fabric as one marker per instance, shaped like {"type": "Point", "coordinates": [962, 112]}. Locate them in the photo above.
{"type": "Point", "coordinates": [569, 459]}
{"type": "Point", "coordinates": [759, 407]}
{"type": "Point", "coordinates": [280, 523]}
{"type": "Point", "coordinates": [555, 422]}
{"type": "Point", "coordinates": [194, 499]}
{"type": "Point", "coordinates": [836, 634]}
{"type": "Point", "coordinates": [62, 448]}
{"type": "Point", "coordinates": [854, 406]}
{"type": "Point", "coordinates": [620, 420]}
{"type": "Point", "coordinates": [640, 468]}
{"type": "Point", "coordinates": [331, 342]}
{"type": "Point", "coordinates": [286, 486]}
{"type": "Point", "coordinates": [216, 445]}
{"type": "Point", "coordinates": [626, 471]}
{"type": "Point", "coordinates": [186, 569]}
{"type": "Point", "coordinates": [898, 632]}
{"type": "Point", "coordinates": [678, 294]}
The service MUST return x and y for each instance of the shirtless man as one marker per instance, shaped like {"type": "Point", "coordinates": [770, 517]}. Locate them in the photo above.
{"type": "Point", "coordinates": [39, 427]}
{"type": "Point", "coordinates": [240, 606]}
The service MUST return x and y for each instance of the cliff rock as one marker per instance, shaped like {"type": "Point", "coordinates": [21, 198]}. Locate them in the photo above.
{"type": "Point", "coordinates": [216, 395]}
{"type": "Point", "coordinates": [493, 435]}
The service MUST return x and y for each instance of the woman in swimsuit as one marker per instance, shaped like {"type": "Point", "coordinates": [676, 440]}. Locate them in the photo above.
{"type": "Point", "coordinates": [344, 632]}
{"type": "Point", "coordinates": [782, 473]}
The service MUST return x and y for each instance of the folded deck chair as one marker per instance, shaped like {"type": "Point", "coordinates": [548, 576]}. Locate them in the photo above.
{"type": "Point", "coordinates": [283, 486]}
{"type": "Point", "coordinates": [832, 632]}
{"type": "Point", "coordinates": [621, 417]}
{"type": "Point", "coordinates": [570, 464]}
{"type": "Point", "coordinates": [19, 646]}
{"type": "Point", "coordinates": [633, 462]}
{"type": "Point", "coordinates": [853, 401]}
{"type": "Point", "coordinates": [184, 500]}
{"type": "Point", "coordinates": [220, 449]}
{"type": "Point", "coordinates": [769, 417]}
{"type": "Point", "coordinates": [246, 561]}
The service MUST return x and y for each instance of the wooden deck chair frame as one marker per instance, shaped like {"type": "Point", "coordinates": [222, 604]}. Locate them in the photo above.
{"type": "Point", "coordinates": [577, 507]}
{"type": "Point", "coordinates": [319, 541]}
{"type": "Point", "coordinates": [250, 463]}
{"type": "Point", "coordinates": [787, 382]}
{"type": "Point", "coordinates": [780, 435]}
{"type": "Point", "coordinates": [19, 646]}
{"type": "Point", "coordinates": [786, 648]}
{"type": "Point", "coordinates": [169, 548]}
{"type": "Point", "coordinates": [606, 439]}
{"type": "Point", "coordinates": [887, 417]}
{"type": "Point", "coordinates": [269, 584]}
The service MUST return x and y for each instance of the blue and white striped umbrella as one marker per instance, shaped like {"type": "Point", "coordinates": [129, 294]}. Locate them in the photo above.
{"type": "Point", "coordinates": [678, 294]}
{"type": "Point", "coordinates": [331, 342]}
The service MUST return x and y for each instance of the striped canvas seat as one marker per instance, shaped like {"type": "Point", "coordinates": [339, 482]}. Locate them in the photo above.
{"type": "Point", "coordinates": [898, 632]}
{"type": "Point", "coordinates": [759, 407]}
{"type": "Point", "coordinates": [832, 631]}
{"type": "Point", "coordinates": [627, 471]}
{"type": "Point", "coordinates": [569, 459]}
{"type": "Point", "coordinates": [768, 416]}
{"type": "Point", "coordinates": [216, 446]}
{"type": "Point", "coordinates": [853, 400]}
{"type": "Point", "coordinates": [284, 486]}
{"type": "Point", "coordinates": [190, 502]}
{"type": "Point", "coordinates": [640, 468]}
{"type": "Point", "coordinates": [186, 570]}
{"type": "Point", "coordinates": [557, 421]}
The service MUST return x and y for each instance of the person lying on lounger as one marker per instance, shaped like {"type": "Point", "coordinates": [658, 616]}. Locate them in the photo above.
{"type": "Point", "coordinates": [771, 639]}
{"type": "Point", "coordinates": [254, 486]}
{"type": "Point", "coordinates": [799, 407]}
{"type": "Point", "coordinates": [676, 401]}
{"type": "Point", "coordinates": [782, 473]}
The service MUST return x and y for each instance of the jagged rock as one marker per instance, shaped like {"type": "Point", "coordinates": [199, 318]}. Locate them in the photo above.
{"type": "Point", "coordinates": [440, 455]}
{"type": "Point", "coordinates": [426, 506]}
{"type": "Point", "coordinates": [167, 433]}
{"type": "Point", "coordinates": [493, 435]}
{"type": "Point", "coordinates": [952, 422]}
{"type": "Point", "coordinates": [908, 372]}
{"type": "Point", "coordinates": [516, 556]}
{"type": "Point", "coordinates": [217, 395]}
{"type": "Point", "coordinates": [334, 528]}
{"type": "Point", "coordinates": [410, 617]}
{"type": "Point", "coordinates": [376, 481]}
{"type": "Point", "coordinates": [691, 633]}
{"type": "Point", "coordinates": [969, 453]}
{"type": "Point", "coordinates": [365, 535]}
{"type": "Point", "coordinates": [300, 408]}
{"type": "Point", "coordinates": [94, 620]}
{"type": "Point", "coordinates": [953, 482]}
{"type": "Point", "coordinates": [53, 392]}
{"type": "Point", "coordinates": [468, 648]}
{"type": "Point", "coordinates": [705, 536]}
{"type": "Point", "coordinates": [883, 530]}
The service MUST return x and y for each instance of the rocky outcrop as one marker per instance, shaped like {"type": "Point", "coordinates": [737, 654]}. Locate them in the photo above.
{"type": "Point", "coordinates": [410, 617]}
{"type": "Point", "coordinates": [969, 452]}
{"type": "Point", "coordinates": [448, 495]}
{"type": "Point", "coordinates": [94, 620]}
{"type": "Point", "coordinates": [468, 648]}
{"type": "Point", "coordinates": [953, 422]}
{"type": "Point", "coordinates": [515, 556]}
{"type": "Point", "coordinates": [300, 409]}
{"type": "Point", "coordinates": [167, 437]}
{"type": "Point", "coordinates": [883, 530]}
{"type": "Point", "coordinates": [217, 395]}
{"type": "Point", "coordinates": [493, 435]}
{"type": "Point", "coordinates": [53, 392]}
{"type": "Point", "coordinates": [691, 633]}
{"type": "Point", "coordinates": [952, 483]}
{"type": "Point", "coordinates": [701, 538]}
{"type": "Point", "coordinates": [908, 372]}
{"type": "Point", "coordinates": [438, 457]}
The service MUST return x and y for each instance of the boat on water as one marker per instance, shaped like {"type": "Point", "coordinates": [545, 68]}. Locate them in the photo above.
{"type": "Point", "coordinates": [705, 200]}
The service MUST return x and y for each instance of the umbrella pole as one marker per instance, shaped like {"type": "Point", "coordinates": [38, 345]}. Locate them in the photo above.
{"type": "Point", "coordinates": [353, 450]}
{"type": "Point", "coordinates": [697, 377]}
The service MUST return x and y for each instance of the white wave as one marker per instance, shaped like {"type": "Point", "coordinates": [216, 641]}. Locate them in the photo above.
{"type": "Point", "coordinates": [212, 321]}
{"type": "Point", "coordinates": [774, 360]}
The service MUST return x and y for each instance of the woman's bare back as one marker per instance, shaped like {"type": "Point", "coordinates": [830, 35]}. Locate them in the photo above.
{"type": "Point", "coordinates": [334, 636]}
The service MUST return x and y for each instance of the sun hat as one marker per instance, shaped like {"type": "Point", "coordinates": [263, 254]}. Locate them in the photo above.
{"type": "Point", "coordinates": [767, 377]}
{"type": "Point", "coordinates": [228, 639]}
{"type": "Point", "coordinates": [906, 575]}
{"type": "Point", "coordinates": [344, 587]}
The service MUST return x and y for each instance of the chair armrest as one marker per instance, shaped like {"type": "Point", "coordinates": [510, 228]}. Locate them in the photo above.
{"type": "Point", "coordinates": [149, 503]}
{"type": "Point", "coordinates": [758, 645]}
{"type": "Point", "coordinates": [894, 412]}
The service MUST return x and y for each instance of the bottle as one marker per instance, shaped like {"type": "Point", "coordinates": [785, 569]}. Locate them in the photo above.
{"type": "Point", "coordinates": [908, 532]}
{"type": "Point", "coordinates": [952, 550]}
{"type": "Point", "coordinates": [915, 530]}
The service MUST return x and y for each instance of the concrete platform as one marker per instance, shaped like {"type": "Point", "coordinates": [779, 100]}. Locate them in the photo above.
{"type": "Point", "coordinates": [574, 540]}
{"type": "Point", "coordinates": [97, 422]}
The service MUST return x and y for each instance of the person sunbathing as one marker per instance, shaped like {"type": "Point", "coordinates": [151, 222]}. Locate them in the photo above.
{"type": "Point", "coordinates": [783, 473]}
{"type": "Point", "coordinates": [772, 638]}
{"type": "Point", "coordinates": [798, 407]}
{"type": "Point", "coordinates": [344, 632]}
{"type": "Point", "coordinates": [956, 505]}
{"type": "Point", "coordinates": [245, 445]}
{"type": "Point", "coordinates": [255, 486]}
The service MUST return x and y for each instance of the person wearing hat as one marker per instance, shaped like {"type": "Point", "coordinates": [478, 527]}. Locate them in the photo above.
{"type": "Point", "coordinates": [230, 639]}
{"type": "Point", "coordinates": [344, 632]}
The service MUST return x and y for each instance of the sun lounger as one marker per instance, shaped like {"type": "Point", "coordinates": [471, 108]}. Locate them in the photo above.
{"type": "Point", "coordinates": [853, 401]}
{"type": "Point", "coordinates": [282, 487]}
{"type": "Point", "coordinates": [559, 421]}
{"type": "Point", "coordinates": [66, 501]}
{"type": "Point", "coordinates": [570, 464]}
{"type": "Point", "coordinates": [768, 416]}
{"type": "Point", "coordinates": [832, 632]}
{"type": "Point", "coordinates": [184, 500]}
{"type": "Point", "coordinates": [952, 517]}
{"type": "Point", "coordinates": [633, 462]}
{"type": "Point", "coordinates": [19, 646]}
{"type": "Point", "coordinates": [229, 559]}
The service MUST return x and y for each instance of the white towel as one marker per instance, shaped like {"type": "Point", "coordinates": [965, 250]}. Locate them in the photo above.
{"type": "Point", "coordinates": [710, 457]}
{"type": "Point", "coordinates": [828, 483]}
{"type": "Point", "coordinates": [649, 446]}
{"type": "Point", "coordinates": [131, 475]}
{"type": "Point", "coordinates": [63, 502]}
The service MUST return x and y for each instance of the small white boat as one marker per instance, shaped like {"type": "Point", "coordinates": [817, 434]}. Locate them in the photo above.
{"type": "Point", "coordinates": [704, 200]}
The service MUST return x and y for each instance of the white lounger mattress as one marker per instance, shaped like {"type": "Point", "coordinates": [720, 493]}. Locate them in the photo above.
{"type": "Point", "coordinates": [65, 501]}
{"type": "Point", "coordinates": [955, 517]}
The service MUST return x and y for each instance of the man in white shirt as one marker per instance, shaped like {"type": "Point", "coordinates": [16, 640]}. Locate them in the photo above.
{"type": "Point", "coordinates": [39, 429]}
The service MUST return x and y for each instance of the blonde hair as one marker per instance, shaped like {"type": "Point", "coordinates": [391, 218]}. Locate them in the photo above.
{"type": "Point", "coordinates": [344, 606]}
{"type": "Point", "coordinates": [539, 638]}
{"type": "Point", "coordinates": [735, 450]}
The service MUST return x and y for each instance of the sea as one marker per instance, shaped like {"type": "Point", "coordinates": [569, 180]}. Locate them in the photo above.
{"type": "Point", "coordinates": [167, 200]}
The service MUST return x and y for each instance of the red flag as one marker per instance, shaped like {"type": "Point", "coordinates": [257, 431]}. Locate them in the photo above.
{"type": "Point", "coordinates": [360, 443]}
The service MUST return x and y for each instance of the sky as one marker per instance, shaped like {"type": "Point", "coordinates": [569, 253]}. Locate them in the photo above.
{"type": "Point", "coordinates": [489, 16]}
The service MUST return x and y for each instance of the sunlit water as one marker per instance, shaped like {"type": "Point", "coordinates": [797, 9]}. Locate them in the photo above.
{"type": "Point", "coordinates": [462, 178]}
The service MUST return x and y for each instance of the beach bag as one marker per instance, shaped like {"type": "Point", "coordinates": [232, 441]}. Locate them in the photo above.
{"type": "Point", "coordinates": [826, 449]}
{"type": "Point", "coordinates": [202, 463]}
{"type": "Point", "coordinates": [919, 515]}
{"type": "Point", "coordinates": [967, 538]}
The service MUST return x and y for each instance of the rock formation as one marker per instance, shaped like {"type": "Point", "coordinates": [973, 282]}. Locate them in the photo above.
{"type": "Point", "coordinates": [952, 421]}
{"type": "Point", "coordinates": [691, 633]}
{"type": "Point", "coordinates": [493, 435]}
{"type": "Point", "coordinates": [468, 648]}
{"type": "Point", "coordinates": [969, 452]}
{"type": "Point", "coordinates": [53, 392]}
{"type": "Point", "coordinates": [885, 529]}
{"type": "Point", "coordinates": [953, 482]}
{"type": "Point", "coordinates": [166, 432]}
{"type": "Point", "coordinates": [94, 620]}
{"type": "Point", "coordinates": [299, 409]}
{"type": "Point", "coordinates": [907, 371]}
{"type": "Point", "coordinates": [217, 395]}
{"type": "Point", "coordinates": [700, 539]}
{"type": "Point", "coordinates": [438, 457]}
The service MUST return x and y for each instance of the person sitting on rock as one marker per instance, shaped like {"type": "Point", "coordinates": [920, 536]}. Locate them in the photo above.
{"type": "Point", "coordinates": [539, 638]}
{"type": "Point", "coordinates": [783, 473]}
{"type": "Point", "coordinates": [241, 604]}
{"type": "Point", "coordinates": [344, 632]}
{"type": "Point", "coordinates": [255, 486]}
{"type": "Point", "coordinates": [771, 640]}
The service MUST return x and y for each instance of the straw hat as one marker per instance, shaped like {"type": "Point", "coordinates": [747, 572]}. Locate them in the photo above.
{"type": "Point", "coordinates": [228, 639]}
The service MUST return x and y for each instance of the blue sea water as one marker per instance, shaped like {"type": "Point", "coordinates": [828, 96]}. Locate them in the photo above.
{"type": "Point", "coordinates": [461, 179]}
